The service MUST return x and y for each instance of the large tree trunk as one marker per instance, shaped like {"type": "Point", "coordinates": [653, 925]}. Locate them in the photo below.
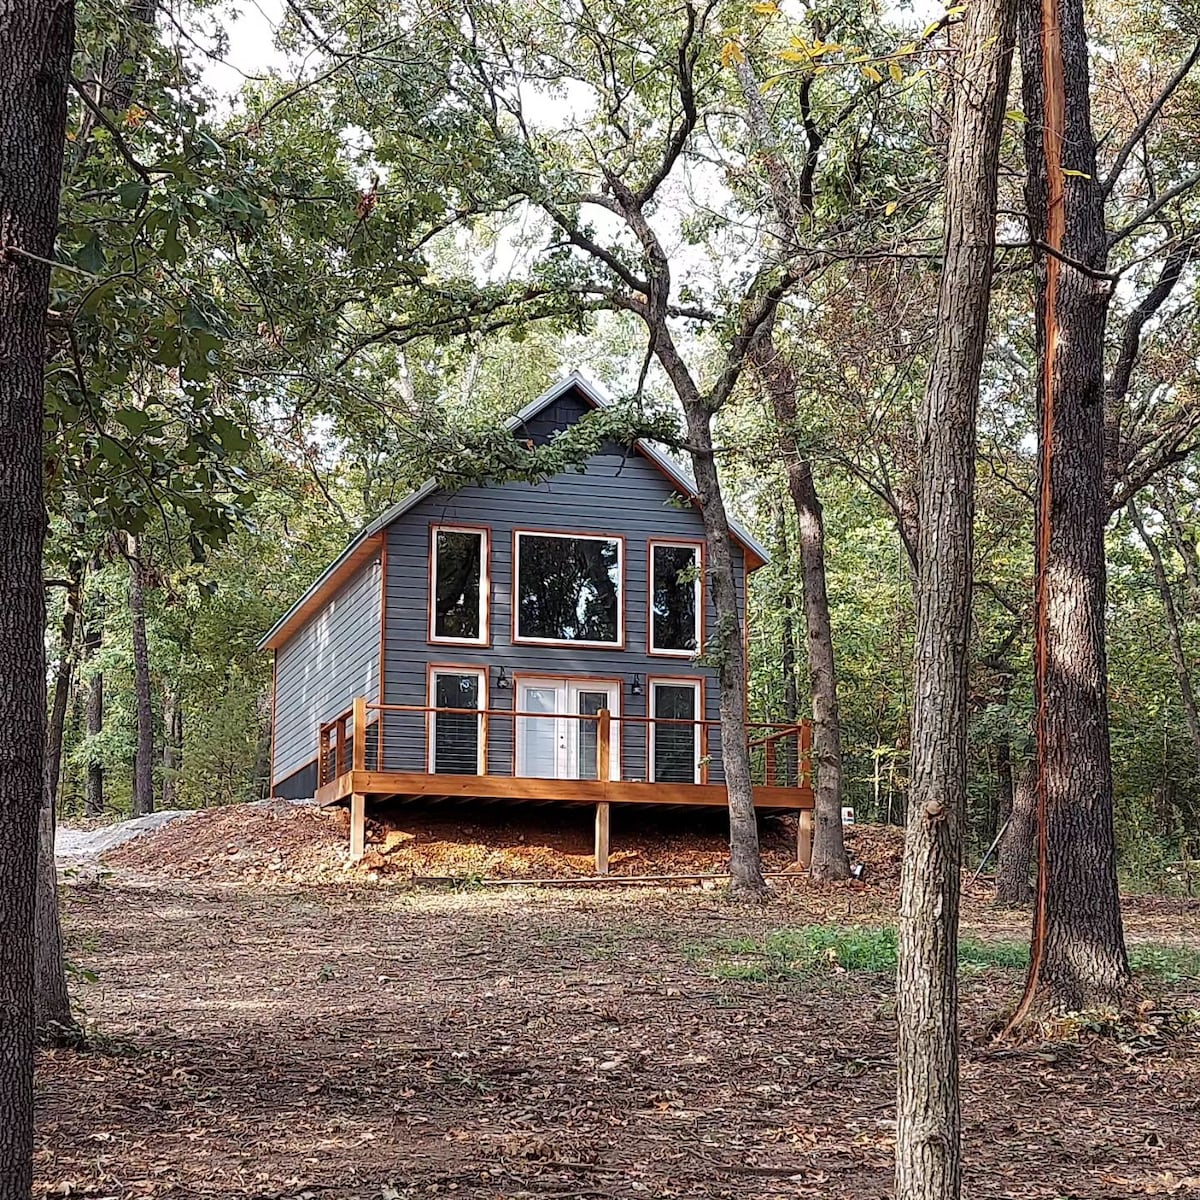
{"type": "Point", "coordinates": [143, 764]}
{"type": "Point", "coordinates": [790, 755]}
{"type": "Point", "coordinates": [35, 54]}
{"type": "Point", "coordinates": [1179, 660]}
{"type": "Point", "coordinates": [745, 862]}
{"type": "Point", "coordinates": [93, 640]}
{"type": "Point", "coordinates": [829, 858]}
{"type": "Point", "coordinates": [52, 1002]}
{"type": "Point", "coordinates": [1017, 844]}
{"type": "Point", "coordinates": [928, 1118]}
{"type": "Point", "coordinates": [1078, 955]}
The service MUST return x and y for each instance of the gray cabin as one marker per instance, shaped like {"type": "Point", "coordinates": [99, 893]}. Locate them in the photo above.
{"type": "Point", "coordinates": [519, 641]}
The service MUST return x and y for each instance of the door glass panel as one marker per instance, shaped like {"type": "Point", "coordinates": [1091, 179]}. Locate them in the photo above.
{"type": "Point", "coordinates": [456, 735]}
{"type": "Point", "coordinates": [587, 757]}
{"type": "Point", "coordinates": [539, 735]}
{"type": "Point", "coordinates": [675, 745]}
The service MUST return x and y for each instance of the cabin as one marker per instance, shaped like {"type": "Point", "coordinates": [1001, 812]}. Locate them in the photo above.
{"type": "Point", "coordinates": [522, 642]}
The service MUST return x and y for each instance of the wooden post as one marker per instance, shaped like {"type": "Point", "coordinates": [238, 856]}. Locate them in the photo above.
{"type": "Point", "coordinates": [804, 831]}
{"type": "Point", "coordinates": [339, 762]}
{"type": "Point", "coordinates": [770, 780]}
{"type": "Point", "coordinates": [360, 733]}
{"type": "Point", "coordinates": [323, 751]}
{"type": "Point", "coordinates": [604, 755]}
{"type": "Point", "coordinates": [358, 826]}
{"type": "Point", "coordinates": [602, 838]}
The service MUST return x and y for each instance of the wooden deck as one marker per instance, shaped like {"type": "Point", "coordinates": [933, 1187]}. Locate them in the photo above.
{"type": "Point", "coordinates": [779, 760]}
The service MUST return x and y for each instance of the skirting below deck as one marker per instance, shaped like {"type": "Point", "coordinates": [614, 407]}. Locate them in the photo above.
{"type": "Point", "coordinates": [587, 791]}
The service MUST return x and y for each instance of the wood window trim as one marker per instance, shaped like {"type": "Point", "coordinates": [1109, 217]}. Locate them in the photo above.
{"type": "Point", "coordinates": [524, 676]}
{"type": "Point", "coordinates": [685, 543]}
{"type": "Point", "coordinates": [441, 668]}
{"type": "Point", "coordinates": [697, 682]}
{"type": "Point", "coordinates": [568, 644]}
{"type": "Point", "coordinates": [484, 640]}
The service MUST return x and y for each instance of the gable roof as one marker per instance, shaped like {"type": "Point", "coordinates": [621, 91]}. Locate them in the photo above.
{"type": "Point", "coordinates": [369, 541]}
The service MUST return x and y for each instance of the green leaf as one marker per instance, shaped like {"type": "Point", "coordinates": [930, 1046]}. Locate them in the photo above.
{"type": "Point", "coordinates": [90, 256]}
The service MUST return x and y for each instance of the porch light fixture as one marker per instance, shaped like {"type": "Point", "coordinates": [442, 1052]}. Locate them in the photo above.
{"type": "Point", "coordinates": [635, 684]}
{"type": "Point", "coordinates": [502, 679]}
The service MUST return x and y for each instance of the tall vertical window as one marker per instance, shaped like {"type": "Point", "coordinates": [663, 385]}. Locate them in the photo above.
{"type": "Point", "coordinates": [458, 586]}
{"type": "Point", "coordinates": [676, 598]}
{"type": "Point", "coordinates": [568, 589]}
{"type": "Point", "coordinates": [675, 731]}
{"type": "Point", "coordinates": [456, 731]}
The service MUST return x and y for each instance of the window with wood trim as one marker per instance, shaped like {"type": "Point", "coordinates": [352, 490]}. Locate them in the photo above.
{"type": "Point", "coordinates": [675, 730]}
{"type": "Point", "coordinates": [567, 589]}
{"type": "Point", "coordinates": [456, 743]}
{"type": "Point", "coordinates": [458, 585]}
{"type": "Point", "coordinates": [676, 598]}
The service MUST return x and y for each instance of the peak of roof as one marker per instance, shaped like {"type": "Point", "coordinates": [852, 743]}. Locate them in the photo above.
{"type": "Point", "coordinates": [596, 395]}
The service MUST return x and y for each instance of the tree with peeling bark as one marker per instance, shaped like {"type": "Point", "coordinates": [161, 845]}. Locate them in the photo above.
{"type": "Point", "coordinates": [35, 54]}
{"type": "Point", "coordinates": [928, 1117]}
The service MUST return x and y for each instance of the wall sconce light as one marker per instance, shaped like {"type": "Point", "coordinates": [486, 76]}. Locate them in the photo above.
{"type": "Point", "coordinates": [635, 685]}
{"type": "Point", "coordinates": [502, 679]}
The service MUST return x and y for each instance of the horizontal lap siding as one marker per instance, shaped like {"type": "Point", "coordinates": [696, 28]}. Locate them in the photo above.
{"type": "Point", "coordinates": [320, 670]}
{"type": "Point", "coordinates": [618, 495]}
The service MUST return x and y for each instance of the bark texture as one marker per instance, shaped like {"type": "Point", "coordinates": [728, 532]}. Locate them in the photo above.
{"type": "Point", "coordinates": [143, 763]}
{"type": "Point", "coordinates": [928, 1117]}
{"type": "Point", "coordinates": [35, 52]}
{"type": "Point", "coordinates": [1078, 956]}
{"type": "Point", "coordinates": [172, 745]}
{"type": "Point", "coordinates": [829, 858]}
{"type": "Point", "coordinates": [52, 1003]}
{"type": "Point", "coordinates": [1014, 888]}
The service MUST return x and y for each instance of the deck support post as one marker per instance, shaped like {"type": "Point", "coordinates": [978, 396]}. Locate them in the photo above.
{"type": "Point", "coordinates": [602, 818]}
{"type": "Point", "coordinates": [358, 826]}
{"type": "Point", "coordinates": [804, 836]}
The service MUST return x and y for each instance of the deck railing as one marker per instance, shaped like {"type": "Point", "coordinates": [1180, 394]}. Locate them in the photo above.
{"type": "Point", "coordinates": [402, 738]}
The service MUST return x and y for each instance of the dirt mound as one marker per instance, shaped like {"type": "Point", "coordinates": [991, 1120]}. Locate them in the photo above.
{"type": "Point", "coordinates": [301, 844]}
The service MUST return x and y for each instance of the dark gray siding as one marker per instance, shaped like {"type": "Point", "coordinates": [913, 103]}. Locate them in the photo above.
{"type": "Point", "coordinates": [621, 494]}
{"type": "Point", "coordinates": [320, 670]}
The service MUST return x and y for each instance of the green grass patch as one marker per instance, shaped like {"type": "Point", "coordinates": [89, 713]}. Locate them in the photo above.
{"type": "Point", "coordinates": [791, 954]}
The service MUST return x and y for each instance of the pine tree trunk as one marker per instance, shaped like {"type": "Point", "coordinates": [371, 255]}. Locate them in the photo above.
{"type": "Point", "coordinates": [172, 744]}
{"type": "Point", "coordinates": [928, 1117]}
{"type": "Point", "coordinates": [1084, 960]}
{"type": "Point", "coordinates": [1179, 660]}
{"type": "Point", "coordinates": [36, 40]}
{"type": "Point", "coordinates": [93, 640]}
{"type": "Point", "coordinates": [745, 862]}
{"type": "Point", "coordinates": [143, 768]}
{"type": "Point", "coordinates": [52, 1003]}
{"type": "Point", "coordinates": [1013, 886]}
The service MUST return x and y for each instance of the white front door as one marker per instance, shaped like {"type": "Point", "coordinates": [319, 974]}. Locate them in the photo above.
{"type": "Point", "coordinates": [559, 745]}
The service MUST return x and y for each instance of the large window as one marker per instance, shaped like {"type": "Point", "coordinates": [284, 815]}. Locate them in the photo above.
{"type": "Point", "coordinates": [676, 598]}
{"type": "Point", "coordinates": [568, 589]}
{"type": "Point", "coordinates": [675, 731]}
{"type": "Point", "coordinates": [458, 585]}
{"type": "Point", "coordinates": [456, 736]}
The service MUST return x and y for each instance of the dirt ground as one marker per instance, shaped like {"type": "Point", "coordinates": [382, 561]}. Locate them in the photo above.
{"type": "Point", "coordinates": [259, 1035]}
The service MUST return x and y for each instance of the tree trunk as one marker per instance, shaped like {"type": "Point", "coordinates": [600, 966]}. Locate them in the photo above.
{"type": "Point", "coordinates": [789, 755]}
{"type": "Point", "coordinates": [1078, 956]}
{"type": "Point", "coordinates": [745, 862]}
{"type": "Point", "coordinates": [143, 768]}
{"type": "Point", "coordinates": [1174, 632]}
{"type": "Point", "coordinates": [928, 1117]}
{"type": "Point", "coordinates": [52, 1003]}
{"type": "Point", "coordinates": [36, 40]}
{"type": "Point", "coordinates": [172, 746]}
{"type": "Point", "coordinates": [829, 858]}
{"type": "Point", "coordinates": [1017, 844]}
{"type": "Point", "coordinates": [93, 640]}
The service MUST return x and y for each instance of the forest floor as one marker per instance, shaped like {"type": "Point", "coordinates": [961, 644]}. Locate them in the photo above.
{"type": "Point", "coordinates": [257, 1033]}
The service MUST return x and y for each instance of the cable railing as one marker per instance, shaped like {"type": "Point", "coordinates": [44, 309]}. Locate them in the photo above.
{"type": "Point", "coordinates": [515, 743]}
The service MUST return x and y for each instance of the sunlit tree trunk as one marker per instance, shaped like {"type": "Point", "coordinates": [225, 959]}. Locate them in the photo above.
{"type": "Point", "coordinates": [93, 640]}
{"type": "Point", "coordinates": [143, 766]}
{"type": "Point", "coordinates": [928, 1117]}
